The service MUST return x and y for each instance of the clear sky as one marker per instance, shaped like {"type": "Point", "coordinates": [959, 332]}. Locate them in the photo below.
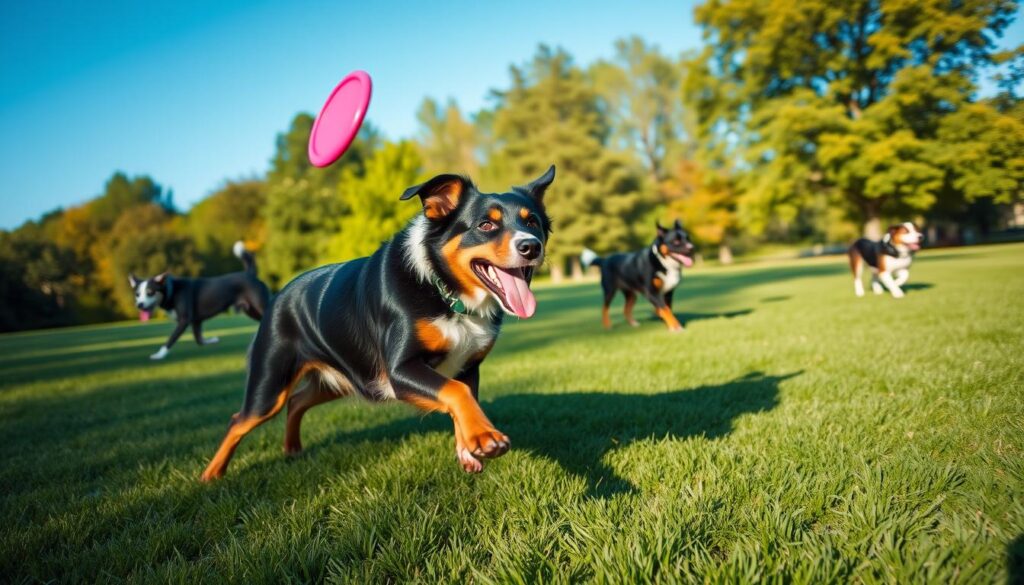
{"type": "Point", "coordinates": [193, 92]}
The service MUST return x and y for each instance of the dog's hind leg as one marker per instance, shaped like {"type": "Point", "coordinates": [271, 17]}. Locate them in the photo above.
{"type": "Point", "coordinates": [856, 266]}
{"type": "Point", "coordinates": [609, 289]}
{"type": "Point", "coordinates": [627, 310]}
{"type": "Point", "coordinates": [327, 387]}
{"type": "Point", "coordinates": [272, 376]}
{"type": "Point", "coordinates": [197, 332]}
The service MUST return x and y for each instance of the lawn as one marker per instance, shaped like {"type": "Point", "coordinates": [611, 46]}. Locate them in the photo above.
{"type": "Point", "coordinates": [793, 433]}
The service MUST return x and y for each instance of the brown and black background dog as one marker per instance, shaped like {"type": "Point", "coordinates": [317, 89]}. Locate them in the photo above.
{"type": "Point", "coordinates": [889, 259]}
{"type": "Point", "coordinates": [653, 272]}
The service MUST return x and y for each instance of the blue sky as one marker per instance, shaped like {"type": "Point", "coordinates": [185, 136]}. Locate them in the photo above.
{"type": "Point", "coordinates": [193, 92]}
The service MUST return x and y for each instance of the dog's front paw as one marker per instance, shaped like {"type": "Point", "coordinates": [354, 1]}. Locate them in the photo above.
{"type": "Point", "coordinates": [488, 444]}
{"type": "Point", "coordinates": [898, 294]}
{"type": "Point", "coordinates": [160, 354]}
{"type": "Point", "coordinates": [211, 340]}
{"type": "Point", "coordinates": [469, 463]}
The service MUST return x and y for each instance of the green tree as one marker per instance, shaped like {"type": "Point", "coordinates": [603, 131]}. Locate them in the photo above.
{"type": "Point", "coordinates": [639, 93]}
{"type": "Point", "coordinates": [849, 97]}
{"type": "Point", "coordinates": [448, 142]}
{"type": "Point", "coordinates": [374, 210]}
{"type": "Point", "coordinates": [550, 115]}
{"type": "Point", "coordinates": [303, 207]}
{"type": "Point", "coordinates": [146, 240]}
{"type": "Point", "coordinates": [233, 212]}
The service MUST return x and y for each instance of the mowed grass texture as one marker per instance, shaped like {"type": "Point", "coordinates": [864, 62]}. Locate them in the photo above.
{"type": "Point", "coordinates": [793, 433]}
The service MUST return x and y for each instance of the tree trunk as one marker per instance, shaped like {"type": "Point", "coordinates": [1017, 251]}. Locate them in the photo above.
{"type": "Point", "coordinates": [724, 253]}
{"type": "Point", "coordinates": [557, 270]}
{"type": "Point", "coordinates": [872, 219]}
{"type": "Point", "coordinates": [576, 268]}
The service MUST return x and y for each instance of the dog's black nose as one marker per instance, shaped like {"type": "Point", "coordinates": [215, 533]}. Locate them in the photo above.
{"type": "Point", "coordinates": [529, 249]}
{"type": "Point", "coordinates": [140, 305]}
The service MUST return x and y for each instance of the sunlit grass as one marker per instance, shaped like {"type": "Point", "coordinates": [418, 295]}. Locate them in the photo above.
{"type": "Point", "coordinates": [794, 432]}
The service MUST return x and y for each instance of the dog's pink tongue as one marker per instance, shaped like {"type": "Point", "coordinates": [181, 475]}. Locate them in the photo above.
{"type": "Point", "coordinates": [686, 260]}
{"type": "Point", "coordinates": [518, 295]}
{"type": "Point", "coordinates": [143, 316]}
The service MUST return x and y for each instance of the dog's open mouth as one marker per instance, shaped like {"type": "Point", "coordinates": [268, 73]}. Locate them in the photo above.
{"type": "Point", "coordinates": [144, 315]}
{"type": "Point", "coordinates": [511, 286]}
{"type": "Point", "coordinates": [682, 259]}
{"type": "Point", "coordinates": [914, 245]}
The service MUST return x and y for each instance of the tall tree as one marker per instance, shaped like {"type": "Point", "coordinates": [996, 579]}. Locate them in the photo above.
{"type": "Point", "coordinates": [639, 93]}
{"type": "Point", "coordinates": [848, 96]}
{"type": "Point", "coordinates": [375, 212]}
{"type": "Point", "coordinates": [551, 115]}
{"type": "Point", "coordinates": [233, 212]}
{"type": "Point", "coordinates": [303, 206]}
{"type": "Point", "coordinates": [448, 142]}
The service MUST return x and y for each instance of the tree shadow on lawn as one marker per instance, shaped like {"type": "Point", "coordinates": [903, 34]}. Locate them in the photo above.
{"type": "Point", "coordinates": [577, 429]}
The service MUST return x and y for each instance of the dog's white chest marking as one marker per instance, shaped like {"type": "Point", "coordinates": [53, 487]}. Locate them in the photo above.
{"type": "Point", "coordinates": [893, 264]}
{"type": "Point", "coordinates": [466, 335]}
{"type": "Point", "coordinates": [669, 279]}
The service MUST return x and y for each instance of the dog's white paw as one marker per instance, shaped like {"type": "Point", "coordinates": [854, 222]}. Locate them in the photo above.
{"type": "Point", "coordinates": [469, 463]}
{"type": "Point", "coordinates": [897, 294]}
{"type": "Point", "coordinates": [160, 354]}
{"type": "Point", "coordinates": [209, 340]}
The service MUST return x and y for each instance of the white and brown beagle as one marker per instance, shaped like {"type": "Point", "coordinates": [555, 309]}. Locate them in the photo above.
{"type": "Point", "coordinates": [889, 259]}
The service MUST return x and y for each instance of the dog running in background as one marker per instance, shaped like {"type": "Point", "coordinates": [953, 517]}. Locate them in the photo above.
{"type": "Point", "coordinates": [654, 273]}
{"type": "Point", "coordinates": [889, 259]}
{"type": "Point", "coordinates": [412, 322]}
{"type": "Point", "coordinates": [194, 300]}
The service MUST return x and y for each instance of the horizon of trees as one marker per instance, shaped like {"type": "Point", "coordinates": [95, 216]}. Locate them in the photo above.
{"type": "Point", "coordinates": [797, 123]}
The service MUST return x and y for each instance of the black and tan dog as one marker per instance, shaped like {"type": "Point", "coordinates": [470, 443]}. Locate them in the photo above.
{"type": "Point", "coordinates": [654, 273]}
{"type": "Point", "coordinates": [194, 300]}
{"type": "Point", "coordinates": [889, 259]}
{"type": "Point", "coordinates": [413, 321]}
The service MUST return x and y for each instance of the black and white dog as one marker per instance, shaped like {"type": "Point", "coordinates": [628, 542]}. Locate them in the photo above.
{"type": "Point", "coordinates": [889, 259]}
{"type": "Point", "coordinates": [194, 300]}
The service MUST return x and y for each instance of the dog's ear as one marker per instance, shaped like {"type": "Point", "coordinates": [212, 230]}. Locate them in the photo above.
{"type": "Point", "coordinates": [160, 278]}
{"type": "Point", "coordinates": [132, 280]}
{"type": "Point", "coordinates": [440, 195]}
{"type": "Point", "coordinates": [661, 231]}
{"type": "Point", "coordinates": [539, 186]}
{"type": "Point", "coordinates": [678, 225]}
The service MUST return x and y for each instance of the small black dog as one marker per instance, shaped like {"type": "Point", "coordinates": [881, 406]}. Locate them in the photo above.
{"type": "Point", "coordinates": [653, 273]}
{"type": "Point", "coordinates": [194, 300]}
{"type": "Point", "coordinates": [413, 321]}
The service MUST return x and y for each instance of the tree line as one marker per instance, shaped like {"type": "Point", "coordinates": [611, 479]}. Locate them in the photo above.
{"type": "Point", "coordinates": [798, 123]}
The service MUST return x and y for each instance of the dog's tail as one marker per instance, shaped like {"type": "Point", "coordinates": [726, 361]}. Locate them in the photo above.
{"type": "Point", "coordinates": [589, 258]}
{"type": "Point", "coordinates": [248, 260]}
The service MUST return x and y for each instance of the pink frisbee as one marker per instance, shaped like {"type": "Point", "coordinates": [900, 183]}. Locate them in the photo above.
{"type": "Point", "coordinates": [340, 118]}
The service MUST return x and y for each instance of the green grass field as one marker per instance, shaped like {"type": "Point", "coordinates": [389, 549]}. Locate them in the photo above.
{"type": "Point", "coordinates": [794, 433]}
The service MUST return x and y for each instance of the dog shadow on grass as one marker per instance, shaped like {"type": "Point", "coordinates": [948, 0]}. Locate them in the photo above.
{"type": "Point", "coordinates": [916, 286]}
{"type": "Point", "coordinates": [1015, 561]}
{"type": "Point", "coordinates": [577, 429]}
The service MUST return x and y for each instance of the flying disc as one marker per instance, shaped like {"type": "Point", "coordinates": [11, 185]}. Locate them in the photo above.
{"type": "Point", "coordinates": [340, 118]}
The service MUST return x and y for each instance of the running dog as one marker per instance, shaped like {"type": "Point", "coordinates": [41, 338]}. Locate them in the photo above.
{"type": "Point", "coordinates": [412, 322]}
{"type": "Point", "coordinates": [194, 300]}
{"type": "Point", "coordinates": [889, 259]}
{"type": "Point", "coordinates": [654, 273]}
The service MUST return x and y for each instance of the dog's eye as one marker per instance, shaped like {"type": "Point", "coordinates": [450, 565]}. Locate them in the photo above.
{"type": "Point", "coordinates": [531, 221]}
{"type": "Point", "coordinates": [487, 226]}
{"type": "Point", "coordinates": [149, 291]}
